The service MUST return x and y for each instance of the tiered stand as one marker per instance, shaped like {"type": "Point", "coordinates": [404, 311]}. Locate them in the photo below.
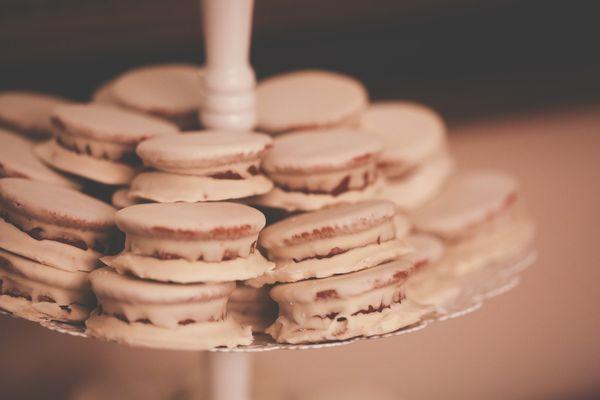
{"type": "Point", "coordinates": [229, 103]}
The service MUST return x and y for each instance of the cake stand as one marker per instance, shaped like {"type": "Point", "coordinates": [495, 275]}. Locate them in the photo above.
{"type": "Point", "coordinates": [229, 103]}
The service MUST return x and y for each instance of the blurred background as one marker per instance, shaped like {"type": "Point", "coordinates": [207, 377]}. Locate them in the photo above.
{"type": "Point", "coordinates": [518, 83]}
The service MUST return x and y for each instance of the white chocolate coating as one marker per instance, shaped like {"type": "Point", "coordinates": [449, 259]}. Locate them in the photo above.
{"type": "Point", "coordinates": [183, 271]}
{"type": "Point", "coordinates": [356, 259]}
{"type": "Point", "coordinates": [299, 201]}
{"type": "Point", "coordinates": [164, 187]}
{"type": "Point", "coordinates": [17, 159]}
{"type": "Point", "coordinates": [308, 99]}
{"type": "Point", "coordinates": [198, 336]}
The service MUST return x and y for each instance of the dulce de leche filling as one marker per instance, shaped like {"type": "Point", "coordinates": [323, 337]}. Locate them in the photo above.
{"type": "Point", "coordinates": [166, 315]}
{"type": "Point", "coordinates": [231, 171]}
{"type": "Point", "coordinates": [191, 250]}
{"type": "Point", "coordinates": [329, 247]}
{"type": "Point", "coordinates": [101, 241]}
{"type": "Point", "coordinates": [331, 182]}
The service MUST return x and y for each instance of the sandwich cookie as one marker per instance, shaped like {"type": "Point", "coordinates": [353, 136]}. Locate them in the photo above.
{"type": "Point", "coordinates": [170, 91]}
{"type": "Point", "coordinates": [202, 166]}
{"type": "Point", "coordinates": [98, 142]}
{"type": "Point", "coordinates": [190, 242]}
{"type": "Point", "coordinates": [163, 315]}
{"type": "Point", "coordinates": [415, 160]}
{"type": "Point", "coordinates": [18, 160]}
{"type": "Point", "coordinates": [316, 169]}
{"type": "Point", "coordinates": [37, 292]}
{"type": "Point", "coordinates": [253, 307]}
{"type": "Point", "coordinates": [55, 226]}
{"type": "Point", "coordinates": [28, 113]}
{"type": "Point", "coordinates": [332, 241]}
{"type": "Point", "coordinates": [363, 303]}
{"type": "Point", "coordinates": [308, 100]}
{"type": "Point", "coordinates": [480, 218]}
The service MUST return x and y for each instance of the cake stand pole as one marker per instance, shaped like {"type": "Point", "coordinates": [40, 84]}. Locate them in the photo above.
{"type": "Point", "coordinates": [228, 376]}
{"type": "Point", "coordinates": [228, 80]}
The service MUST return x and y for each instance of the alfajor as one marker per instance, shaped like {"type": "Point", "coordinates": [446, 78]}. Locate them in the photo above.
{"type": "Point", "coordinates": [364, 303]}
{"type": "Point", "coordinates": [55, 226]}
{"type": "Point", "coordinates": [316, 169]}
{"type": "Point", "coordinates": [332, 241]}
{"type": "Point", "coordinates": [190, 242]}
{"type": "Point", "coordinates": [169, 91]}
{"type": "Point", "coordinates": [18, 160]}
{"type": "Point", "coordinates": [163, 315]}
{"type": "Point", "coordinates": [38, 292]}
{"type": "Point", "coordinates": [308, 100]}
{"type": "Point", "coordinates": [480, 218]}
{"type": "Point", "coordinates": [415, 160]}
{"type": "Point", "coordinates": [28, 113]}
{"type": "Point", "coordinates": [252, 306]}
{"type": "Point", "coordinates": [98, 142]}
{"type": "Point", "coordinates": [202, 166]}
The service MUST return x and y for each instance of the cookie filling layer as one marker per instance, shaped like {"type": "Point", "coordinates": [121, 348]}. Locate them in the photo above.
{"type": "Point", "coordinates": [191, 250]}
{"type": "Point", "coordinates": [102, 242]}
{"type": "Point", "coordinates": [165, 315]}
{"type": "Point", "coordinates": [328, 247]}
{"type": "Point", "coordinates": [98, 149]}
{"type": "Point", "coordinates": [334, 183]}
{"type": "Point", "coordinates": [238, 170]}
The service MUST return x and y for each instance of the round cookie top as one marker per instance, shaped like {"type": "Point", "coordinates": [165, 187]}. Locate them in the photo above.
{"type": "Point", "coordinates": [55, 205]}
{"type": "Point", "coordinates": [203, 149]}
{"type": "Point", "coordinates": [410, 132]}
{"type": "Point", "coordinates": [28, 112]}
{"type": "Point", "coordinates": [469, 198]}
{"type": "Point", "coordinates": [106, 283]}
{"type": "Point", "coordinates": [167, 90]}
{"type": "Point", "coordinates": [17, 160]}
{"type": "Point", "coordinates": [343, 286]}
{"type": "Point", "coordinates": [326, 223]}
{"type": "Point", "coordinates": [308, 99]}
{"type": "Point", "coordinates": [321, 150]}
{"type": "Point", "coordinates": [109, 124]}
{"type": "Point", "coordinates": [190, 221]}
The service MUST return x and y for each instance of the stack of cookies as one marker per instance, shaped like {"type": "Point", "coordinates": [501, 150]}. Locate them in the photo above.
{"type": "Point", "coordinates": [170, 285]}
{"type": "Point", "coordinates": [339, 273]}
{"type": "Point", "coordinates": [97, 142]}
{"type": "Point", "coordinates": [48, 248]}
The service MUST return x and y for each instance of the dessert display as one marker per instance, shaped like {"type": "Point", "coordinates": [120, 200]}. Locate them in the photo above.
{"type": "Point", "coordinates": [315, 169]}
{"type": "Point", "coordinates": [304, 100]}
{"type": "Point", "coordinates": [28, 113]}
{"type": "Point", "coordinates": [18, 161]}
{"type": "Point", "coordinates": [50, 239]}
{"type": "Point", "coordinates": [369, 230]}
{"type": "Point", "coordinates": [168, 91]}
{"type": "Point", "coordinates": [202, 166]}
{"type": "Point", "coordinates": [416, 161]}
{"type": "Point", "coordinates": [98, 142]}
